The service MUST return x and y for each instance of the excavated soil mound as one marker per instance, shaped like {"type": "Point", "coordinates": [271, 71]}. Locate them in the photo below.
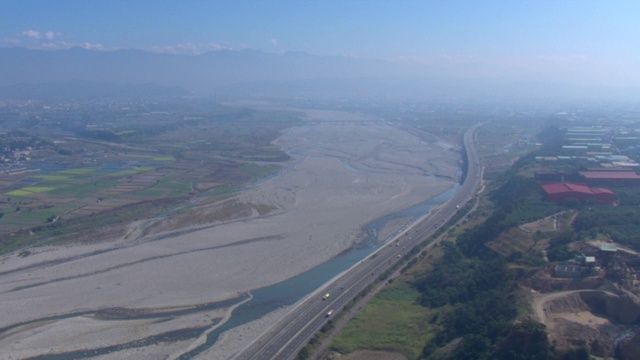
{"type": "Point", "coordinates": [597, 320]}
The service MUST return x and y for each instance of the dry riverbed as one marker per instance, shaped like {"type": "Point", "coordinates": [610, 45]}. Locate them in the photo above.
{"type": "Point", "coordinates": [155, 296]}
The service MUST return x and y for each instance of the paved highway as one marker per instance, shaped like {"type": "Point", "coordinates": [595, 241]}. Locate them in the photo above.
{"type": "Point", "coordinates": [285, 338]}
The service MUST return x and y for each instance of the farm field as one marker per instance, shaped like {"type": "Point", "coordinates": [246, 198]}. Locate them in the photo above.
{"type": "Point", "coordinates": [136, 164]}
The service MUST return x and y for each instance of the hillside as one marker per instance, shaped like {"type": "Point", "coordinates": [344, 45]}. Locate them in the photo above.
{"type": "Point", "coordinates": [496, 290]}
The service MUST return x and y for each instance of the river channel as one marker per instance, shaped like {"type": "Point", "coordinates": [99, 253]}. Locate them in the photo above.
{"type": "Point", "coordinates": [288, 292]}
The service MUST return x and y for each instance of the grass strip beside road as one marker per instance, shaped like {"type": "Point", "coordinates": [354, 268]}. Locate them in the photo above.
{"type": "Point", "coordinates": [393, 320]}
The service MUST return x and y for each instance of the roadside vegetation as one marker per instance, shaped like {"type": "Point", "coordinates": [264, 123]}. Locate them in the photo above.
{"type": "Point", "coordinates": [393, 320]}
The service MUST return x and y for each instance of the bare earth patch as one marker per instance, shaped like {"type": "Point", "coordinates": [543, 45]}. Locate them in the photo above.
{"type": "Point", "coordinates": [573, 322]}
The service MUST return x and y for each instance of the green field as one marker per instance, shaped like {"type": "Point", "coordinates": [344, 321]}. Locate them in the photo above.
{"type": "Point", "coordinates": [393, 320]}
{"type": "Point", "coordinates": [77, 171]}
{"type": "Point", "coordinates": [131, 171]}
{"type": "Point", "coordinates": [214, 153]}
{"type": "Point", "coordinates": [166, 188]}
{"type": "Point", "coordinates": [257, 172]}
{"type": "Point", "coordinates": [55, 177]}
{"type": "Point", "coordinates": [26, 191]}
{"type": "Point", "coordinates": [84, 189]}
{"type": "Point", "coordinates": [37, 217]}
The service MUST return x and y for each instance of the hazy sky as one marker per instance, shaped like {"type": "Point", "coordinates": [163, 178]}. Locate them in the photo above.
{"type": "Point", "coordinates": [577, 41]}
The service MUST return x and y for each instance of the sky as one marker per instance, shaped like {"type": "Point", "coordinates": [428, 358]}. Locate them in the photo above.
{"type": "Point", "coordinates": [589, 42]}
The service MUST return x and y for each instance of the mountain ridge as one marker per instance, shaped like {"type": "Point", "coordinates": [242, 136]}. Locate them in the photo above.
{"type": "Point", "coordinates": [254, 73]}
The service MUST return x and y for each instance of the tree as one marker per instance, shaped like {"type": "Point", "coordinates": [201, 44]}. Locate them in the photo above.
{"type": "Point", "coordinates": [526, 341]}
{"type": "Point", "coordinates": [576, 354]}
{"type": "Point", "coordinates": [558, 249]}
{"type": "Point", "coordinates": [303, 354]}
{"type": "Point", "coordinates": [472, 347]}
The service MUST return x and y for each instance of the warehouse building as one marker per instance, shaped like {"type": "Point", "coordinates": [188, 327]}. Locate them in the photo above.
{"type": "Point", "coordinates": [569, 271]}
{"type": "Point", "coordinates": [610, 178]}
{"type": "Point", "coordinates": [560, 191]}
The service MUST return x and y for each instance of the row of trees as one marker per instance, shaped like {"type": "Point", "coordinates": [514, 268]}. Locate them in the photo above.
{"type": "Point", "coordinates": [621, 223]}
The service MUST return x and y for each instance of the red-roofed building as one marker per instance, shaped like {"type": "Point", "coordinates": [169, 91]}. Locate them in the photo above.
{"type": "Point", "coordinates": [560, 191]}
{"type": "Point", "coordinates": [603, 196]}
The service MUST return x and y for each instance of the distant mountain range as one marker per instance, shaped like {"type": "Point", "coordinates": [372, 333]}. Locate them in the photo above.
{"type": "Point", "coordinates": [84, 90]}
{"type": "Point", "coordinates": [204, 74]}
{"type": "Point", "coordinates": [77, 73]}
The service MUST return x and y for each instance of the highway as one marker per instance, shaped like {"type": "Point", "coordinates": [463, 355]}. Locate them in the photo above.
{"type": "Point", "coordinates": [286, 337]}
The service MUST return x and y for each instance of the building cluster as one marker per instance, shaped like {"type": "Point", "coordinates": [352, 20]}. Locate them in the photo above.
{"type": "Point", "coordinates": [608, 147]}
{"type": "Point", "coordinates": [582, 264]}
{"type": "Point", "coordinates": [16, 150]}
{"type": "Point", "coordinates": [603, 260]}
